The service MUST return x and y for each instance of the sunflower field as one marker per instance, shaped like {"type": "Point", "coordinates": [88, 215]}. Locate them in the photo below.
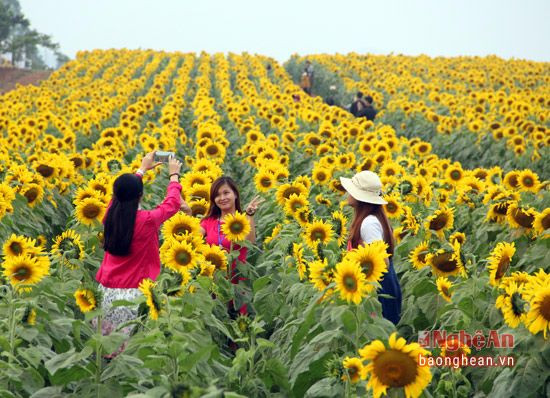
{"type": "Point", "coordinates": [462, 149]}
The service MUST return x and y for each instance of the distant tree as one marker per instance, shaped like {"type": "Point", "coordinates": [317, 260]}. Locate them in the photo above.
{"type": "Point", "coordinates": [20, 40]}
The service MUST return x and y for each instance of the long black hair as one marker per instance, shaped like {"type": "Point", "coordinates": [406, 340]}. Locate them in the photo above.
{"type": "Point", "coordinates": [121, 217]}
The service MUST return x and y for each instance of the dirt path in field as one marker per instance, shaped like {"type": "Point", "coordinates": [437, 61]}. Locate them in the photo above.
{"type": "Point", "coordinates": [9, 77]}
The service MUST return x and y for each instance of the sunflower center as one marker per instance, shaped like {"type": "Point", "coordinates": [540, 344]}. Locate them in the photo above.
{"type": "Point", "coordinates": [318, 235]}
{"type": "Point", "coordinates": [265, 182]}
{"type": "Point", "coordinates": [501, 208]}
{"type": "Point", "coordinates": [22, 273]}
{"type": "Point", "coordinates": [522, 218]}
{"type": "Point", "coordinates": [502, 267]}
{"type": "Point", "coordinates": [214, 259]}
{"type": "Point", "coordinates": [544, 308]}
{"type": "Point", "coordinates": [455, 175]}
{"type": "Point", "coordinates": [444, 262]}
{"type": "Point", "coordinates": [518, 305]}
{"type": "Point", "coordinates": [394, 368]}
{"type": "Point", "coordinates": [236, 227]}
{"type": "Point", "coordinates": [90, 211]}
{"type": "Point", "coordinates": [528, 181]}
{"type": "Point", "coordinates": [296, 205]}
{"type": "Point", "coordinates": [16, 248]}
{"type": "Point", "coordinates": [350, 283]}
{"type": "Point", "coordinates": [181, 229]}
{"type": "Point", "coordinates": [45, 171]}
{"type": "Point", "coordinates": [183, 257]}
{"type": "Point", "coordinates": [546, 222]}
{"type": "Point", "coordinates": [438, 222]}
{"type": "Point", "coordinates": [321, 176]}
{"type": "Point", "coordinates": [31, 195]}
{"type": "Point", "coordinates": [391, 207]}
{"type": "Point", "coordinates": [212, 150]}
{"type": "Point", "coordinates": [291, 190]}
{"type": "Point", "coordinates": [367, 267]}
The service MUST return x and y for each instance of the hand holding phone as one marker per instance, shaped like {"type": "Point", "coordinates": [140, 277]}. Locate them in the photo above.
{"type": "Point", "coordinates": [163, 157]}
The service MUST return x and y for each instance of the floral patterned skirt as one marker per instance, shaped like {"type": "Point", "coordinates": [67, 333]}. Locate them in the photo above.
{"type": "Point", "coordinates": [115, 316]}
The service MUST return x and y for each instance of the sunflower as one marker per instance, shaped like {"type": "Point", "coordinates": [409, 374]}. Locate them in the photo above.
{"type": "Point", "coordinates": [303, 216]}
{"type": "Point", "coordinates": [265, 180]}
{"type": "Point", "coordinates": [441, 220]}
{"type": "Point", "coordinates": [453, 347]}
{"type": "Point", "coordinates": [393, 208]}
{"type": "Point", "coordinates": [447, 262]}
{"type": "Point", "coordinates": [85, 298]}
{"type": "Point", "coordinates": [371, 259]}
{"type": "Point", "coordinates": [512, 305]}
{"type": "Point", "coordinates": [274, 233]}
{"type": "Point", "coordinates": [542, 222]}
{"type": "Point", "coordinates": [520, 217]}
{"type": "Point", "coordinates": [199, 191]}
{"type": "Point", "coordinates": [340, 230]}
{"type": "Point", "coordinates": [322, 200]}
{"type": "Point", "coordinates": [179, 254]}
{"type": "Point", "coordinates": [419, 255]}
{"type": "Point", "coordinates": [215, 256]}
{"type": "Point", "coordinates": [454, 174]}
{"type": "Point", "coordinates": [294, 203]}
{"type": "Point", "coordinates": [459, 237]}
{"type": "Point", "coordinates": [350, 281]}
{"type": "Point", "coordinates": [319, 274]}
{"type": "Point", "coordinates": [147, 287]}
{"type": "Point", "coordinates": [353, 369]}
{"type": "Point", "coordinates": [396, 366]}
{"type": "Point", "coordinates": [317, 232]}
{"type": "Point", "coordinates": [286, 190]}
{"type": "Point", "coordinates": [321, 174]}
{"type": "Point", "coordinates": [68, 246]}
{"type": "Point", "coordinates": [25, 270]}
{"type": "Point", "coordinates": [90, 210]}
{"type": "Point", "coordinates": [528, 181]}
{"type": "Point", "coordinates": [235, 227]}
{"type": "Point", "coordinates": [180, 224]}
{"type": "Point", "coordinates": [538, 317]}
{"type": "Point", "coordinates": [304, 180]}
{"type": "Point", "coordinates": [29, 316]}
{"type": "Point", "coordinates": [199, 207]}
{"type": "Point", "coordinates": [298, 254]}
{"type": "Point", "coordinates": [497, 212]}
{"type": "Point", "coordinates": [499, 261]}
{"type": "Point", "coordinates": [33, 193]}
{"type": "Point", "coordinates": [16, 245]}
{"type": "Point", "coordinates": [444, 287]}
{"type": "Point", "coordinates": [511, 179]}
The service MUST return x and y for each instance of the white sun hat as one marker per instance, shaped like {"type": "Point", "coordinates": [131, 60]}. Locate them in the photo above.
{"type": "Point", "coordinates": [364, 186]}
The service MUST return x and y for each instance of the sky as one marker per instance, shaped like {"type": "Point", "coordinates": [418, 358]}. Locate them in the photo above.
{"type": "Point", "coordinates": [280, 28]}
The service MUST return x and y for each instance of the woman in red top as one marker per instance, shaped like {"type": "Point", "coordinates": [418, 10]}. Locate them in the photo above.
{"type": "Point", "coordinates": [131, 240]}
{"type": "Point", "coordinates": [225, 199]}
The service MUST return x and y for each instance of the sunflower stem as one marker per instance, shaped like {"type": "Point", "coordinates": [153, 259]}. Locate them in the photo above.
{"type": "Point", "coordinates": [11, 322]}
{"type": "Point", "coordinates": [98, 354]}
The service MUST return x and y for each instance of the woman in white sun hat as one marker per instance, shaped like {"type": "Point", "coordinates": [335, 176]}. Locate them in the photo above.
{"type": "Point", "coordinates": [369, 224]}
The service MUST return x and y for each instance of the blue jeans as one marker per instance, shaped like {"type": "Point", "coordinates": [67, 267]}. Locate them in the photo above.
{"type": "Point", "coordinates": [391, 307]}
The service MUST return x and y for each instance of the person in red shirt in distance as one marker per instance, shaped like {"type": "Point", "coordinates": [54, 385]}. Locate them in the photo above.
{"type": "Point", "coordinates": [131, 241]}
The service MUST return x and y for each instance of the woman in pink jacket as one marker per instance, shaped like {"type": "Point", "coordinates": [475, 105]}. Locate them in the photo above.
{"type": "Point", "coordinates": [131, 240]}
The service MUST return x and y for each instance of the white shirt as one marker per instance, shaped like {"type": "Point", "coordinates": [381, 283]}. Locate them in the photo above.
{"type": "Point", "coordinates": [371, 229]}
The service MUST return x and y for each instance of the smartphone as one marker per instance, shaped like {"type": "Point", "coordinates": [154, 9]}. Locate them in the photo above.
{"type": "Point", "coordinates": [161, 156]}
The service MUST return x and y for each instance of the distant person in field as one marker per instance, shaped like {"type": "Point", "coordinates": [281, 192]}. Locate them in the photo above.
{"type": "Point", "coordinates": [368, 111]}
{"type": "Point", "coordinates": [358, 104]}
{"type": "Point", "coordinates": [305, 82]}
{"type": "Point", "coordinates": [309, 70]}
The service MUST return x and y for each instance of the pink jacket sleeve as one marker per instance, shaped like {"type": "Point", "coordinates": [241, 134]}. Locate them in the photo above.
{"type": "Point", "coordinates": [169, 206]}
